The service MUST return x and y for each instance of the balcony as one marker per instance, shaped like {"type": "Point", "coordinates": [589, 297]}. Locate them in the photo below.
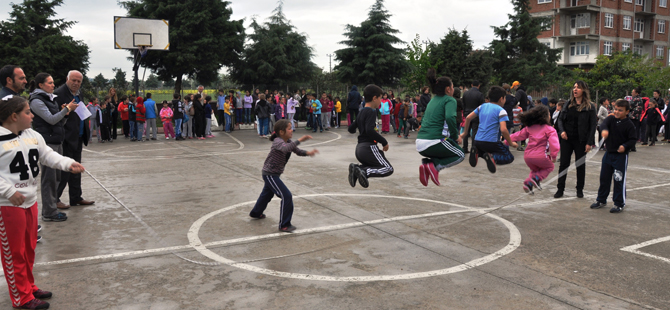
{"type": "Point", "coordinates": [642, 37]}
{"type": "Point", "coordinates": [646, 9]}
{"type": "Point", "coordinates": [576, 6]}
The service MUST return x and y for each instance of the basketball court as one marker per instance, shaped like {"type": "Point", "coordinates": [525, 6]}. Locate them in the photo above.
{"type": "Point", "coordinates": [170, 230]}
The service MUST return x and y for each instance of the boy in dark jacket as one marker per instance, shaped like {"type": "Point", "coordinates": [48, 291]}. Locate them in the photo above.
{"type": "Point", "coordinates": [620, 136]}
{"type": "Point", "coordinates": [372, 159]}
{"type": "Point", "coordinates": [103, 118]}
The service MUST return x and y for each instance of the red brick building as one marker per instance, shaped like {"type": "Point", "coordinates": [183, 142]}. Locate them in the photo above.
{"type": "Point", "coordinates": [588, 28]}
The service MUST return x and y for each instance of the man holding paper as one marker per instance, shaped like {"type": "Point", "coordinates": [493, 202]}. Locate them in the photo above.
{"type": "Point", "coordinates": [75, 136]}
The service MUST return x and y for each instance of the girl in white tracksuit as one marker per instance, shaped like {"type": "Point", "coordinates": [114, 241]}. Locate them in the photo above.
{"type": "Point", "coordinates": [21, 151]}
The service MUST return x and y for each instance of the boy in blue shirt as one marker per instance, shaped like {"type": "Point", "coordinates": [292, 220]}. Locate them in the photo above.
{"type": "Point", "coordinates": [316, 110]}
{"type": "Point", "coordinates": [492, 124]}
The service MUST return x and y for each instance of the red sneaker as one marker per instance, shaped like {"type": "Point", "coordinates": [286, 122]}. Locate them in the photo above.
{"type": "Point", "coordinates": [41, 294]}
{"type": "Point", "coordinates": [423, 174]}
{"type": "Point", "coordinates": [35, 304]}
{"type": "Point", "coordinates": [433, 173]}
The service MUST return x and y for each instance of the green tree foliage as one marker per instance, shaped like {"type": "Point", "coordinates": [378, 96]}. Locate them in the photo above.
{"type": "Point", "coordinates": [152, 82]}
{"type": "Point", "coordinates": [519, 56]}
{"type": "Point", "coordinates": [120, 82]}
{"type": "Point", "coordinates": [34, 40]}
{"type": "Point", "coordinates": [99, 82]}
{"type": "Point", "coordinates": [203, 39]}
{"type": "Point", "coordinates": [459, 61]}
{"type": "Point", "coordinates": [419, 61]}
{"type": "Point", "coordinates": [370, 55]}
{"type": "Point", "coordinates": [615, 76]}
{"type": "Point", "coordinates": [277, 54]}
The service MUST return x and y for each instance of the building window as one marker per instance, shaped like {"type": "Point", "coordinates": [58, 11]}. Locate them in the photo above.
{"type": "Point", "coordinates": [609, 20]}
{"type": "Point", "coordinates": [607, 48]}
{"type": "Point", "coordinates": [629, 1]}
{"type": "Point", "coordinates": [663, 3]}
{"type": "Point", "coordinates": [659, 52]}
{"type": "Point", "coordinates": [639, 25]}
{"type": "Point", "coordinates": [637, 49]}
{"type": "Point", "coordinates": [638, 2]}
{"type": "Point", "coordinates": [625, 47]}
{"type": "Point", "coordinates": [582, 20]}
{"type": "Point", "coordinates": [579, 48]}
{"type": "Point", "coordinates": [661, 26]}
{"type": "Point", "coordinates": [543, 1]}
{"type": "Point", "coordinates": [626, 22]}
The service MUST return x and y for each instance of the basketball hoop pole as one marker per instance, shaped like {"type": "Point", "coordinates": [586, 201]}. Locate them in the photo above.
{"type": "Point", "coordinates": [136, 67]}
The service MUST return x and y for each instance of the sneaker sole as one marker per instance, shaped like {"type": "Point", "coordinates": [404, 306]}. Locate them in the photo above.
{"type": "Point", "coordinates": [46, 219]}
{"type": "Point", "coordinates": [490, 163]}
{"type": "Point", "coordinates": [362, 178]}
{"type": "Point", "coordinates": [352, 175]}
{"type": "Point", "coordinates": [433, 173]}
{"type": "Point", "coordinates": [536, 184]}
{"type": "Point", "coordinates": [474, 155]}
{"type": "Point", "coordinates": [423, 174]}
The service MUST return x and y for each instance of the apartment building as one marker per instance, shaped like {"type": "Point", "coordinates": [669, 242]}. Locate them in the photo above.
{"type": "Point", "coordinates": [588, 28]}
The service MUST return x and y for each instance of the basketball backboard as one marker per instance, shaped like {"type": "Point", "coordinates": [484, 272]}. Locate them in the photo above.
{"type": "Point", "coordinates": [130, 33]}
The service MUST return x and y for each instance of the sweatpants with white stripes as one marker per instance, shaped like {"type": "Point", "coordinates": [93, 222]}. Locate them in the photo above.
{"type": "Point", "coordinates": [275, 186]}
{"type": "Point", "coordinates": [614, 165]}
{"type": "Point", "coordinates": [445, 154]}
{"type": "Point", "coordinates": [18, 237]}
{"type": "Point", "coordinates": [372, 160]}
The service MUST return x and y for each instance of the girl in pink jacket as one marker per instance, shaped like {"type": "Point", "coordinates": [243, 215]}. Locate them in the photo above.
{"type": "Point", "coordinates": [543, 145]}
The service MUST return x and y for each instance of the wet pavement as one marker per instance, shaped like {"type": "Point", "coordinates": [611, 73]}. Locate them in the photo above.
{"type": "Point", "coordinates": [179, 235]}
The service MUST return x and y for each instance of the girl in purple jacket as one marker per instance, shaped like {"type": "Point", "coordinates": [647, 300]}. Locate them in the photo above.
{"type": "Point", "coordinates": [543, 145]}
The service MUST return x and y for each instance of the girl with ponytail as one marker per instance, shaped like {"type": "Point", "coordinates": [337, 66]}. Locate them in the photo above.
{"type": "Point", "coordinates": [438, 140]}
{"type": "Point", "coordinates": [280, 152]}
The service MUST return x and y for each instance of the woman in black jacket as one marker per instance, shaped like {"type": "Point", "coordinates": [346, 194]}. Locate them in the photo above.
{"type": "Point", "coordinates": [199, 117]}
{"type": "Point", "coordinates": [576, 129]}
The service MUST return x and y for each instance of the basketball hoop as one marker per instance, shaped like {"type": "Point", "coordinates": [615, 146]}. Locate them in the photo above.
{"type": "Point", "coordinates": [144, 49]}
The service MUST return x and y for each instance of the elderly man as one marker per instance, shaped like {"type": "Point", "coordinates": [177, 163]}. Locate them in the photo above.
{"type": "Point", "coordinates": [75, 134]}
{"type": "Point", "coordinates": [13, 81]}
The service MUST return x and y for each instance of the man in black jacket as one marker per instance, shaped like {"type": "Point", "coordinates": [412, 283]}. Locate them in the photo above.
{"type": "Point", "coordinates": [13, 81]}
{"type": "Point", "coordinates": [75, 135]}
{"type": "Point", "coordinates": [472, 99]}
{"type": "Point", "coordinates": [353, 104]}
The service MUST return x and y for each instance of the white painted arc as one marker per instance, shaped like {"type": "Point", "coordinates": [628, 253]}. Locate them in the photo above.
{"type": "Point", "coordinates": [513, 244]}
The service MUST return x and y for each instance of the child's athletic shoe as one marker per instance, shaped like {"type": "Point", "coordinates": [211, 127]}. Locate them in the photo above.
{"type": "Point", "coordinates": [474, 155]}
{"type": "Point", "coordinates": [352, 175]}
{"type": "Point", "coordinates": [528, 188]}
{"type": "Point", "coordinates": [260, 217]}
{"type": "Point", "coordinates": [433, 173]}
{"type": "Point", "coordinates": [490, 162]}
{"type": "Point", "coordinates": [536, 182]}
{"type": "Point", "coordinates": [616, 209]}
{"type": "Point", "coordinates": [598, 205]}
{"type": "Point", "coordinates": [423, 173]}
{"type": "Point", "coordinates": [39, 228]}
{"type": "Point", "coordinates": [41, 294]}
{"type": "Point", "coordinates": [35, 304]}
{"type": "Point", "coordinates": [39, 238]}
{"type": "Point", "coordinates": [287, 228]}
{"type": "Point", "coordinates": [362, 177]}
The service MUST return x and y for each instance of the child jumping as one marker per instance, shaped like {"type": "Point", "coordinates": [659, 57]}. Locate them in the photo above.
{"type": "Point", "coordinates": [543, 146]}
{"type": "Point", "coordinates": [373, 162]}
{"type": "Point", "coordinates": [439, 127]}
{"type": "Point", "coordinates": [620, 136]}
{"type": "Point", "coordinates": [280, 152]}
{"type": "Point", "coordinates": [492, 124]}
{"type": "Point", "coordinates": [23, 149]}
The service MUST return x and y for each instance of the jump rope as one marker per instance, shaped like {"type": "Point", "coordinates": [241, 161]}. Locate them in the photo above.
{"type": "Point", "coordinates": [579, 162]}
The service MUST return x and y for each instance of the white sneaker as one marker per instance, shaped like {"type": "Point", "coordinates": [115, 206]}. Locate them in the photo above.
{"type": "Point", "coordinates": [167, 138]}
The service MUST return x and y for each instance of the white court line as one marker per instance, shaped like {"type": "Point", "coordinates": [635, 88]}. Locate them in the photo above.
{"type": "Point", "coordinates": [261, 237]}
{"type": "Point", "coordinates": [635, 248]}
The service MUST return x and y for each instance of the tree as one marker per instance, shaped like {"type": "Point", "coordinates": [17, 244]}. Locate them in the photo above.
{"type": "Point", "coordinates": [419, 63]}
{"type": "Point", "coordinates": [615, 76]}
{"type": "Point", "coordinates": [370, 55]}
{"type": "Point", "coordinates": [459, 61]}
{"type": "Point", "coordinates": [277, 55]}
{"type": "Point", "coordinates": [152, 82]}
{"type": "Point", "coordinates": [203, 38]}
{"type": "Point", "coordinates": [120, 82]}
{"type": "Point", "coordinates": [519, 56]}
{"type": "Point", "coordinates": [33, 39]}
{"type": "Point", "coordinates": [99, 82]}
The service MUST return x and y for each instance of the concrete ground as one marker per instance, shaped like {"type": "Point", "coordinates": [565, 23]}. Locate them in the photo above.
{"type": "Point", "coordinates": [179, 236]}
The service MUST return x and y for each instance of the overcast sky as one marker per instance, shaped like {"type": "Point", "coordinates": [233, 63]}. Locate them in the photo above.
{"type": "Point", "coordinates": [323, 23]}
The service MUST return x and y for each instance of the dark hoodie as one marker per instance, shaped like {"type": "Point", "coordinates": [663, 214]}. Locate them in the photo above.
{"type": "Point", "coordinates": [262, 109]}
{"type": "Point", "coordinates": [354, 98]}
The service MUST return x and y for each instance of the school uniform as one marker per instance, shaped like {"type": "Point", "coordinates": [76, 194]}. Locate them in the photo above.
{"type": "Point", "coordinates": [372, 159]}
{"type": "Point", "coordinates": [615, 164]}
